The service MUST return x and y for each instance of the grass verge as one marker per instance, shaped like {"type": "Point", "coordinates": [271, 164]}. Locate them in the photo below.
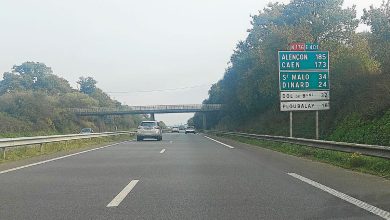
{"type": "Point", "coordinates": [353, 161]}
{"type": "Point", "coordinates": [21, 153]}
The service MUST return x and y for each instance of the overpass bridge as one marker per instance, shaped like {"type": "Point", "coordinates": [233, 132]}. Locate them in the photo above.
{"type": "Point", "coordinates": [151, 109]}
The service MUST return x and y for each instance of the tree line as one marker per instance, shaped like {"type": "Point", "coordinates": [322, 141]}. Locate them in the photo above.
{"type": "Point", "coordinates": [34, 101]}
{"type": "Point", "coordinates": [359, 70]}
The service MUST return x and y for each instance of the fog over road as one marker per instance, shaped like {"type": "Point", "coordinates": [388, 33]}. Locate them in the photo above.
{"type": "Point", "coordinates": [189, 177]}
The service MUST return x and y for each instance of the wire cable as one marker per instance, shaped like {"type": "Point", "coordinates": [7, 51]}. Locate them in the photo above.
{"type": "Point", "coordinates": [160, 90]}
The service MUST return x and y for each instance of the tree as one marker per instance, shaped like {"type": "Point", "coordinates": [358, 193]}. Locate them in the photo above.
{"type": "Point", "coordinates": [35, 101]}
{"type": "Point", "coordinates": [34, 76]}
{"type": "Point", "coordinates": [379, 21]}
{"type": "Point", "coordinates": [249, 88]}
{"type": "Point", "coordinates": [87, 85]}
{"type": "Point", "coordinates": [162, 125]}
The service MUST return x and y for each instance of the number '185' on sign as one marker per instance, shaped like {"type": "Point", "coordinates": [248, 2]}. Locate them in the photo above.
{"type": "Point", "coordinates": [304, 60]}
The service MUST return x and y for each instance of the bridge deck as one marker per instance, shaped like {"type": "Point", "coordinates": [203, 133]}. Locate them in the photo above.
{"type": "Point", "coordinates": [152, 109]}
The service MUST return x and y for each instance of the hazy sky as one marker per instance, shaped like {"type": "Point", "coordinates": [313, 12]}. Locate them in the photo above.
{"type": "Point", "coordinates": [131, 47]}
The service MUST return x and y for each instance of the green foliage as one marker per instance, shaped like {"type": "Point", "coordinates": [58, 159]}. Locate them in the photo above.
{"type": "Point", "coordinates": [379, 21]}
{"type": "Point", "coordinates": [355, 161]}
{"type": "Point", "coordinates": [249, 88]}
{"type": "Point", "coordinates": [87, 85]}
{"type": "Point", "coordinates": [162, 125]}
{"type": "Point", "coordinates": [34, 101]}
{"type": "Point", "coordinates": [33, 76]}
{"type": "Point", "coordinates": [356, 128]}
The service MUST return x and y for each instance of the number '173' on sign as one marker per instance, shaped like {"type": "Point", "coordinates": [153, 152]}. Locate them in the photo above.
{"type": "Point", "coordinates": [303, 60]}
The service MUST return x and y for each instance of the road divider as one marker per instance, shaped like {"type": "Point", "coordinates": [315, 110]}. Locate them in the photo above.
{"type": "Point", "coordinates": [370, 208]}
{"type": "Point", "coordinates": [226, 145]}
{"type": "Point", "coordinates": [122, 195]}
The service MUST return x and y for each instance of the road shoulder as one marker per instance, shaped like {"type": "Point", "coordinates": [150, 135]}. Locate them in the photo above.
{"type": "Point", "coordinates": [372, 189]}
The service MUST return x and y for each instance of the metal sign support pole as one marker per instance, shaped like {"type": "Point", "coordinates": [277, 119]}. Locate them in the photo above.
{"type": "Point", "coordinates": [317, 126]}
{"type": "Point", "coordinates": [291, 124]}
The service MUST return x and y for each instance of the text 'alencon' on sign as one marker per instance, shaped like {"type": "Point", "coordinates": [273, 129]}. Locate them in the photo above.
{"type": "Point", "coordinates": [304, 60]}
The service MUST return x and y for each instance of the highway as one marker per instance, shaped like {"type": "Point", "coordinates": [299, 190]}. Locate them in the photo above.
{"type": "Point", "coordinates": [189, 177]}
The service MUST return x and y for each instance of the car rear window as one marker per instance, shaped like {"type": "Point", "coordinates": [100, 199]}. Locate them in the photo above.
{"type": "Point", "coordinates": [148, 124]}
{"type": "Point", "coordinates": [86, 130]}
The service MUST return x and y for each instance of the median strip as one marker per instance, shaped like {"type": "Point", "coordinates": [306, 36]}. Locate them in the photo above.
{"type": "Point", "coordinates": [122, 195]}
{"type": "Point", "coordinates": [370, 208]}
{"type": "Point", "coordinates": [226, 145]}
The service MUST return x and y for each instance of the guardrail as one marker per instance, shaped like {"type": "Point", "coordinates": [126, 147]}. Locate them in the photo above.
{"type": "Point", "coordinates": [370, 150]}
{"type": "Point", "coordinates": [25, 141]}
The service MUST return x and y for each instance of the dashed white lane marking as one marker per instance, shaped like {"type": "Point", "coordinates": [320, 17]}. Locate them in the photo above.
{"type": "Point", "coordinates": [58, 158]}
{"type": "Point", "coordinates": [220, 142]}
{"type": "Point", "coordinates": [122, 195]}
{"type": "Point", "coordinates": [377, 211]}
{"type": "Point", "coordinates": [162, 151]}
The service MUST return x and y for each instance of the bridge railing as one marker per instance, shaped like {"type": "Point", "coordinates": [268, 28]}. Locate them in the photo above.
{"type": "Point", "coordinates": [190, 107]}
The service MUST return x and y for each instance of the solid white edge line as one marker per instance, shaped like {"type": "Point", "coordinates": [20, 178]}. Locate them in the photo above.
{"type": "Point", "coordinates": [58, 158]}
{"type": "Point", "coordinates": [162, 151]}
{"type": "Point", "coordinates": [122, 195]}
{"type": "Point", "coordinates": [370, 208]}
{"type": "Point", "coordinates": [219, 142]}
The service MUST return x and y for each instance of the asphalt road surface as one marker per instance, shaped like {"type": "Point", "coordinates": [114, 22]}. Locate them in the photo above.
{"type": "Point", "coordinates": [189, 177]}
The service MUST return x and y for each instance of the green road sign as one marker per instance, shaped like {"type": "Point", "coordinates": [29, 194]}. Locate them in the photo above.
{"type": "Point", "coordinates": [311, 46]}
{"type": "Point", "coordinates": [304, 60]}
{"type": "Point", "coordinates": [303, 81]}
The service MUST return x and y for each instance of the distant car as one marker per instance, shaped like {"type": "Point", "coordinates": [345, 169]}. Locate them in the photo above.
{"type": "Point", "coordinates": [149, 129]}
{"type": "Point", "coordinates": [175, 129]}
{"type": "Point", "coordinates": [86, 131]}
{"type": "Point", "coordinates": [190, 129]}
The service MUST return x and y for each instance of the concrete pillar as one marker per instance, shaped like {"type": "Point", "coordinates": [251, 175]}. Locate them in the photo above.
{"type": "Point", "coordinates": [152, 117]}
{"type": "Point", "coordinates": [204, 121]}
{"type": "Point", "coordinates": [101, 123]}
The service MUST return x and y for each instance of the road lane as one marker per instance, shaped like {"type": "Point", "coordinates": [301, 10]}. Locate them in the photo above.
{"type": "Point", "coordinates": [195, 178]}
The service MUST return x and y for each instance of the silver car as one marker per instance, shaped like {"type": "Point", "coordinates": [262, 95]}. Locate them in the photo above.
{"type": "Point", "coordinates": [175, 129]}
{"type": "Point", "coordinates": [190, 129]}
{"type": "Point", "coordinates": [149, 129]}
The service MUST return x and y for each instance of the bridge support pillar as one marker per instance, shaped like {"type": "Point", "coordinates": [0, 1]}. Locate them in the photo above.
{"type": "Point", "coordinates": [204, 121]}
{"type": "Point", "coordinates": [152, 117]}
{"type": "Point", "coordinates": [101, 123]}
